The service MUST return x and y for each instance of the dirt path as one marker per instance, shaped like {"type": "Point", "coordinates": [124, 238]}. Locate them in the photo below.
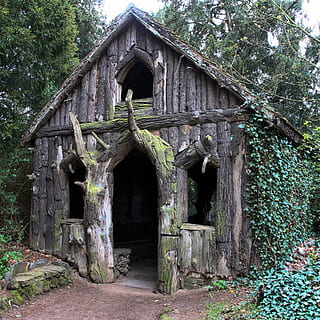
{"type": "Point", "coordinates": [83, 300]}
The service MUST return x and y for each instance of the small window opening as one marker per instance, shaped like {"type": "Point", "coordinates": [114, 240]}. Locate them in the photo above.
{"type": "Point", "coordinates": [140, 80]}
{"type": "Point", "coordinates": [76, 191]}
{"type": "Point", "coordinates": [202, 195]}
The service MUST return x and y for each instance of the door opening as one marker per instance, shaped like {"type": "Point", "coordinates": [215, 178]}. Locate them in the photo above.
{"type": "Point", "coordinates": [134, 214]}
{"type": "Point", "coordinates": [202, 195]}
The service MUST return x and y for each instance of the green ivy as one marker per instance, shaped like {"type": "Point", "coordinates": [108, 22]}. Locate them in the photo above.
{"type": "Point", "coordinates": [278, 192]}
{"type": "Point", "coordinates": [291, 294]}
{"type": "Point", "coordinates": [311, 148]}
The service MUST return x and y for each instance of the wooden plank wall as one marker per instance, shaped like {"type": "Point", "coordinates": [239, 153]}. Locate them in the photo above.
{"type": "Point", "coordinates": [178, 85]}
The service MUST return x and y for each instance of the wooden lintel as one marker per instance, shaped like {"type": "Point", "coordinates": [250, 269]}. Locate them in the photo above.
{"type": "Point", "coordinates": [150, 122]}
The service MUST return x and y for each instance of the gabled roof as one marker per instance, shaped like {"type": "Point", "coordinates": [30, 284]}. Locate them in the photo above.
{"type": "Point", "coordinates": [113, 30]}
{"type": "Point", "coordinates": [159, 31]}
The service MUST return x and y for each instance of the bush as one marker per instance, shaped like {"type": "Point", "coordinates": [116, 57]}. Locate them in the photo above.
{"type": "Point", "coordinates": [290, 294]}
{"type": "Point", "coordinates": [7, 256]}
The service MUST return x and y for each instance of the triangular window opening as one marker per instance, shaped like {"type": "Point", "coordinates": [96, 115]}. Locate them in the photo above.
{"type": "Point", "coordinates": [140, 80]}
{"type": "Point", "coordinates": [77, 176]}
{"type": "Point", "coordinates": [202, 195]}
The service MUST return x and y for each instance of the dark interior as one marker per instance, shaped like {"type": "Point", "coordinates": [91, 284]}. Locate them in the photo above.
{"type": "Point", "coordinates": [202, 194]}
{"type": "Point", "coordinates": [76, 192]}
{"type": "Point", "coordinates": [140, 80]}
{"type": "Point", "coordinates": [135, 206]}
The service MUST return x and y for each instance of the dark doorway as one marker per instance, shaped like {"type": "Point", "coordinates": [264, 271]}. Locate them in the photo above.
{"type": "Point", "coordinates": [202, 194]}
{"type": "Point", "coordinates": [135, 206]}
{"type": "Point", "coordinates": [77, 176]}
{"type": "Point", "coordinates": [140, 80]}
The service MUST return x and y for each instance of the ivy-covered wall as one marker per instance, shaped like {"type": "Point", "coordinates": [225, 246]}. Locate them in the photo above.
{"type": "Point", "coordinates": [278, 193]}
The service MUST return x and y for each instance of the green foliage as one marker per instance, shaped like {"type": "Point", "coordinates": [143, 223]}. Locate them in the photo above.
{"type": "Point", "coordinates": [217, 285]}
{"type": "Point", "coordinates": [259, 42]}
{"type": "Point", "coordinates": [278, 193]}
{"type": "Point", "coordinates": [7, 256]}
{"type": "Point", "coordinates": [90, 24]}
{"type": "Point", "coordinates": [39, 43]}
{"type": "Point", "coordinates": [290, 294]}
{"type": "Point", "coordinates": [311, 148]}
{"type": "Point", "coordinates": [14, 193]}
{"type": "Point", "coordinates": [37, 50]}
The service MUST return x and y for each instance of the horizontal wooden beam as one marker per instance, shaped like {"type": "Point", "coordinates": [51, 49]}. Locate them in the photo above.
{"type": "Point", "coordinates": [150, 122]}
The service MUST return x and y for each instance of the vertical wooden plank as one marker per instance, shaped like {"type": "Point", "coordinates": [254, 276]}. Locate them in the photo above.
{"type": "Point", "coordinates": [209, 251]}
{"type": "Point", "coordinates": [224, 138]}
{"type": "Point", "coordinates": [175, 83]}
{"type": "Point", "coordinates": [149, 40]}
{"type": "Point", "coordinates": [204, 92]}
{"type": "Point", "coordinates": [92, 93]}
{"type": "Point", "coordinates": [195, 133]}
{"type": "Point", "coordinates": [182, 194]}
{"type": "Point", "coordinates": [35, 204]}
{"type": "Point", "coordinates": [198, 91]}
{"type": "Point", "coordinates": [63, 109]}
{"type": "Point", "coordinates": [141, 36]}
{"type": "Point", "coordinates": [56, 118]}
{"type": "Point", "coordinates": [233, 100]}
{"type": "Point", "coordinates": [224, 98]}
{"type": "Point", "coordinates": [184, 137]}
{"type": "Point", "coordinates": [50, 205]}
{"type": "Point", "coordinates": [191, 89]}
{"type": "Point", "coordinates": [169, 79]}
{"type": "Point", "coordinates": [164, 134]}
{"type": "Point", "coordinates": [174, 138]}
{"type": "Point", "coordinates": [73, 104]}
{"type": "Point", "coordinates": [196, 262]}
{"type": "Point", "coordinates": [237, 220]}
{"type": "Point", "coordinates": [168, 264]}
{"type": "Point", "coordinates": [185, 251]}
{"type": "Point", "coordinates": [84, 98]}
{"type": "Point", "coordinates": [122, 44]}
{"type": "Point", "coordinates": [159, 89]}
{"type": "Point", "coordinates": [44, 145]}
{"type": "Point", "coordinates": [101, 113]}
{"type": "Point", "coordinates": [213, 95]}
{"type": "Point", "coordinates": [182, 86]}
{"type": "Point", "coordinates": [224, 216]}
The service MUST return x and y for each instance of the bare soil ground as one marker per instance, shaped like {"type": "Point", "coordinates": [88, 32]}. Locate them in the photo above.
{"type": "Point", "coordinates": [84, 300]}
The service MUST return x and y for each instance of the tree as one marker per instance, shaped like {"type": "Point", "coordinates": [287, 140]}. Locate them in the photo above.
{"type": "Point", "coordinates": [40, 43]}
{"type": "Point", "coordinates": [90, 22]}
{"type": "Point", "coordinates": [261, 42]}
{"type": "Point", "coordinates": [37, 49]}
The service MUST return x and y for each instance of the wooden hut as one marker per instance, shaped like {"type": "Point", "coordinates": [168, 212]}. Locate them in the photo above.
{"type": "Point", "coordinates": [159, 177]}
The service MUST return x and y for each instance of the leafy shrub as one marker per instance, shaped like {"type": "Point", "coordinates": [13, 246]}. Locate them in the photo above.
{"type": "Point", "coordinates": [7, 256]}
{"type": "Point", "coordinates": [291, 294]}
{"type": "Point", "coordinates": [217, 285]}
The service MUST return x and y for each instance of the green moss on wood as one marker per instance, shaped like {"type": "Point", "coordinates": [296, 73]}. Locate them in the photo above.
{"type": "Point", "coordinates": [93, 191]}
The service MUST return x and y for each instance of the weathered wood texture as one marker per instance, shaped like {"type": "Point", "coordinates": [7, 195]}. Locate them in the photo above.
{"type": "Point", "coordinates": [232, 235]}
{"type": "Point", "coordinates": [178, 85]}
{"type": "Point", "coordinates": [197, 261]}
{"type": "Point", "coordinates": [187, 108]}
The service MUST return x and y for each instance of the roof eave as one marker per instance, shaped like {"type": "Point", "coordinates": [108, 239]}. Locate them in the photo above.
{"type": "Point", "coordinates": [49, 109]}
